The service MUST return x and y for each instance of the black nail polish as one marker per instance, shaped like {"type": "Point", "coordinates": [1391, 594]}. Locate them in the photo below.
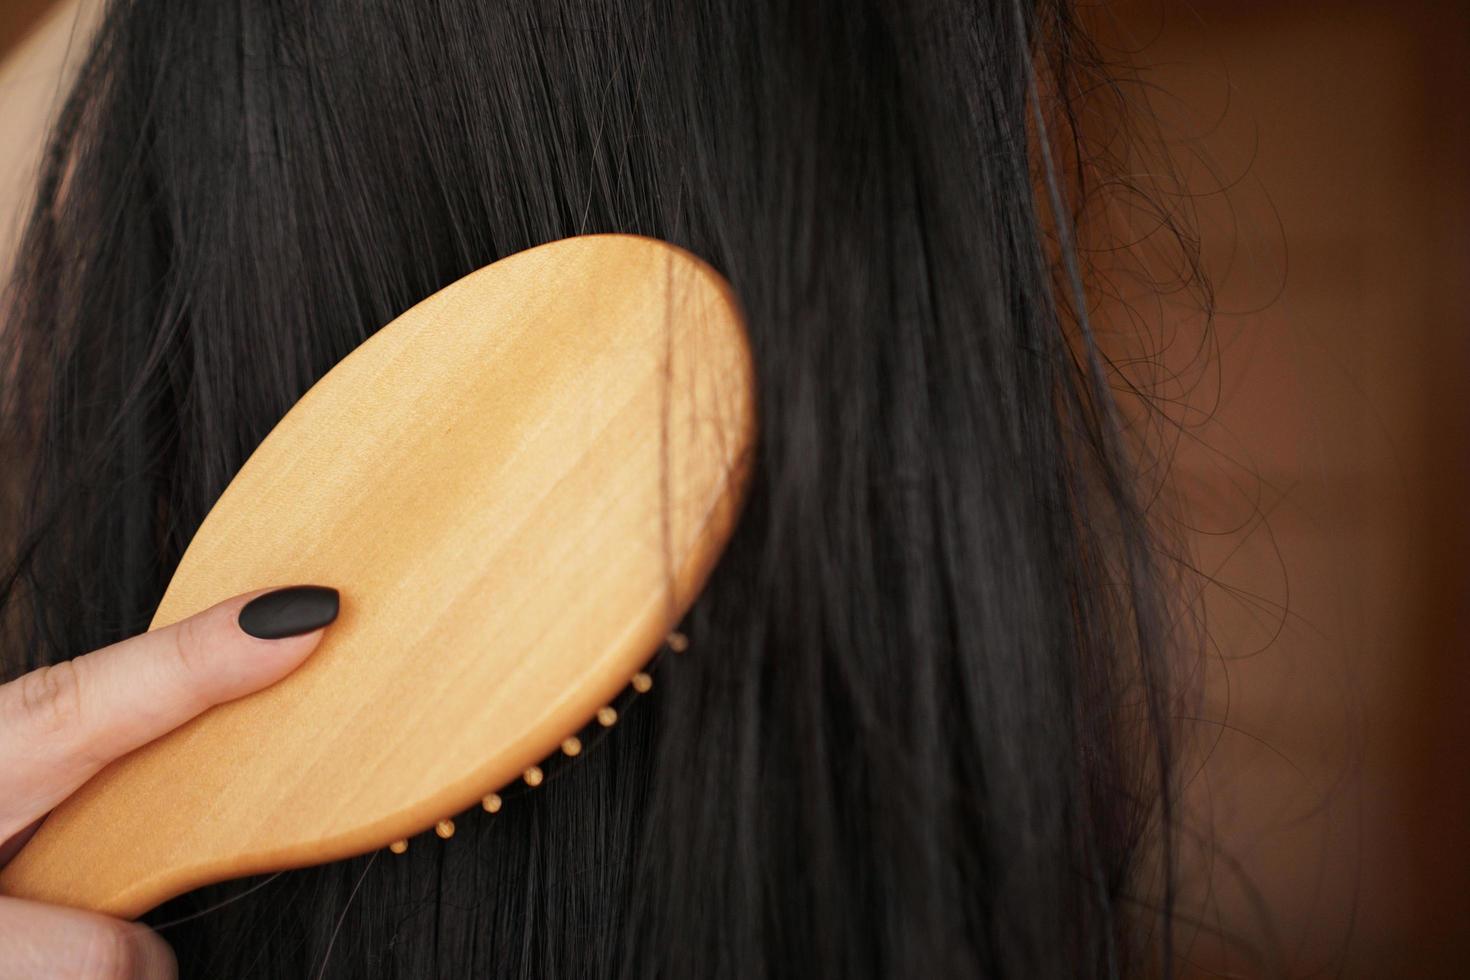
{"type": "Point", "coordinates": [289, 612]}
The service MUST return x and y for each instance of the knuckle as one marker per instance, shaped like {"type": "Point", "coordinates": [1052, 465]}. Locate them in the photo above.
{"type": "Point", "coordinates": [187, 651]}
{"type": "Point", "coordinates": [108, 953]}
{"type": "Point", "coordinates": [49, 700]}
{"type": "Point", "coordinates": [188, 654]}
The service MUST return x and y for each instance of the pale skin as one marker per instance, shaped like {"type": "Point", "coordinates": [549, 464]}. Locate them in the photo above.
{"type": "Point", "coordinates": [61, 724]}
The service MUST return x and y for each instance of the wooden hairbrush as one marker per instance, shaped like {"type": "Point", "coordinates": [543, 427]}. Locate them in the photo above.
{"type": "Point", "coordinates": [519, 486]}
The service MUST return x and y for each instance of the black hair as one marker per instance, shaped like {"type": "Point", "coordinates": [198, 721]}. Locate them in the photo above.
{"type": "Point", "coordinates": [922, 728]}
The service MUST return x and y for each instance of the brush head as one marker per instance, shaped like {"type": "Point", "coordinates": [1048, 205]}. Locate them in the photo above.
{"type": "Point", "coordinates": [519, 486]}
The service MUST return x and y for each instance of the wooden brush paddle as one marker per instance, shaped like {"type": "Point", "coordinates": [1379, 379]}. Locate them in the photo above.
{"type": "Point", "coordinates": [519, 486]}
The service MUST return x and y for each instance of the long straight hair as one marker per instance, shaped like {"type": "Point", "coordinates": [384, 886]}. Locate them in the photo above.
{"type": "Point", "coordinates": [922, 729]}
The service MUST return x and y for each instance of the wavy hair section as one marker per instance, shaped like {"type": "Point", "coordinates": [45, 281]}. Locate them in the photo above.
{"type": "Point", "coordinates": [922, 729]}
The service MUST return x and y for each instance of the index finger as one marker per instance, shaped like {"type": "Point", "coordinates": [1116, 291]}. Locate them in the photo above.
{"type": "Point", "coordinates": [60, 724]}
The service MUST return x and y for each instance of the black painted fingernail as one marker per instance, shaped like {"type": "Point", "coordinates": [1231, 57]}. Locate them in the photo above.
{"type": "Point", "coordinates": [289, 612]}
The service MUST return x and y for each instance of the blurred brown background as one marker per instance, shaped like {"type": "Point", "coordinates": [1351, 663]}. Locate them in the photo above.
{"type": "Point", "coordinates": [1319, 436]}
{"type": "Point", "coordinates": [16, 18]}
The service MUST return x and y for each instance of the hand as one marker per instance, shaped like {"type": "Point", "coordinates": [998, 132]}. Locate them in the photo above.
{"type": "Point", "coordinates": [59, 725]}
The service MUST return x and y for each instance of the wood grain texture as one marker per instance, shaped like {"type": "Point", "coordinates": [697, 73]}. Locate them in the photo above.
{"type": "Point", "coordinates": [519, 486]}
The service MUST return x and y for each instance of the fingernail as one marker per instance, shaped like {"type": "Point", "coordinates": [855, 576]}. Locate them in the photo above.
{"type": "Point", "coordinates": [289, 612]}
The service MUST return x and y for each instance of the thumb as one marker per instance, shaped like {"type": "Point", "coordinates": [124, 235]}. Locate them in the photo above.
{"type": "Point", "coordinates": [49, 941]}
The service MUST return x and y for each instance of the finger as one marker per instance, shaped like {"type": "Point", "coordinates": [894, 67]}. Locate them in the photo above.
{"type": "Point", "coordinates": [11, 848]}
{"type": "Point", "coordinates": [49, 941]}
{"type": "Point", "coordinates": [59, 725]}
